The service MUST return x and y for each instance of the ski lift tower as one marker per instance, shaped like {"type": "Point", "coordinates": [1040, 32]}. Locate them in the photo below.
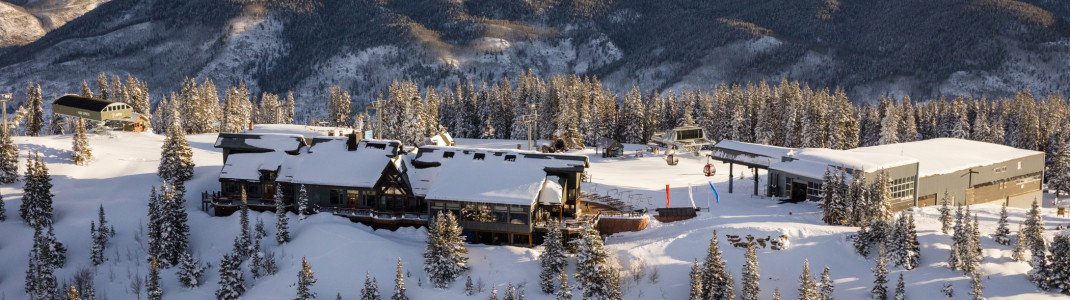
{"type": "Point", "coordinates": [4, 98]}
{"type": "Point", "coordinates": [529, 120]}
{"type": "Point", "coordinates": [377, 106]}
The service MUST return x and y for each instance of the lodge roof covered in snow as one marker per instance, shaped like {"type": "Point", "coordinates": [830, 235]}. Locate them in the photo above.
{"type": "Point", "coordinates": [494, 176]}
{"type": "Point", "coordinates": [336, 162]}
{"type": "Point", "coordinates": [748, 153]}
{"type": "Point", "coordinates": [262, 142]}
{"type": "Point", "coordinates": [947, 155]}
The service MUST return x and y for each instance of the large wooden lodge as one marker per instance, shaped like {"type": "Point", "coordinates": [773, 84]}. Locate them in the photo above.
{"type": "Point", "coordinates": [499, 196]}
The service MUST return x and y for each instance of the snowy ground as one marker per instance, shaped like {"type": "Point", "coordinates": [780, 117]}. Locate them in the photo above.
{"type": "Point", "coordinates": [341, 252]}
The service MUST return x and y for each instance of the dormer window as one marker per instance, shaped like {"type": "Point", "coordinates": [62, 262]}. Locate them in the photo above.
{"type": "Point", "coordinates": [447, 154]}
{"type": "Point", "coordinates": [479, 156]}
{"type": "Point", "coordinates": [510, 157]}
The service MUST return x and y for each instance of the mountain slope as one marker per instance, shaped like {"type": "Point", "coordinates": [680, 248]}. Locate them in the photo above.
{"type": "Point", "coordinates": [23, 21]}
{"type": "Point", "coordinates": [923, 48]}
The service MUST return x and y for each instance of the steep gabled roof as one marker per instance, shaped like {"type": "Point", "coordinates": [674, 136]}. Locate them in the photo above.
{"type": "Point", "coordinates": [331, 163]}
{"type": "Point", "coordinates": [486, 175]}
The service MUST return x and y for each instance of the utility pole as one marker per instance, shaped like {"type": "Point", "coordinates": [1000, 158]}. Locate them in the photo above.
{"type": "Point", "coordinates": [4, 98]}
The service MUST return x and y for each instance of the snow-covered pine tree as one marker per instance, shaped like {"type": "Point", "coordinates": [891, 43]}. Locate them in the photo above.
{"type": "Point", "coordinates": [469, 287]}
{"type": "Point", "coordinates": [913, 248]}
{"type": "Point", "coordinates": [808, 289]}
{"type": "Point", "coordinates": [305, 280]}
{"type": "Point", "coordinates": [889, 125]}
{"type": "Point", "coordinates": [190, 270]}
{"type": "Point", "coordinates": [880, 276]}
{"type": "Point", "coordinates": [1034, 225]}
{"type": "Point", "coordinates": [302, 202]}
{"type": "Point", "coordinates": [1058, 172]}
{"type": "Point", "coordinates": [948, 290]}
{"type": "Point", "coordinates": [51, 252]}
{"type": "Point", "coordinates": [33, 272]}
{"type": "Point", "coordinates": [399, 283]}
{"type": "Point", "coordinates": [153, 289]}
{"type": "Point", "coordinates": [831, 198]}
{"type": "Point", "coordinates": [900, 289]}
{"type": "Point", "coordinates": [896, 241]}
{"type": "Point", "coordinates": [96, 255]}
{"type": "Point", "coordinates": [826, 288]}
{"type": "Point", "coordinates": [81, 152]}
{"type": "Point", "coordinates": [36, 119]}
{"type": "Point", "coordinates": [977, 287]}
{"type": "Point", "coordinates": [494, 292]}
{"type": "Point", "coordinates": [288, 109]}
{"type": "Point", "coordinates": [3, 211]}
{"type": "Point", "coordinates": [176, 157]}
{"type": "Point", "coordinates": [72, 293]}
{"type": "Point", "coordinates": [510, 292]}
{"type": "Point", "coordinates": [445, 257]}
{"type": "Point", "coordinates": [1002, 235]}
{"type": "Point", "coordinates": [338, 107]}
{"type": "Point", "coordinates": [751, 275]}
{"type": "Point", "coordinates": [945, 213]}
{"type": "Point", "coordinates": [245, 239]}
{"type": "Point", "coordinates": [776, 294]}
{"type": "Point", "coordinates": [231, 278]}
{"type": "Point", "coordinates": [282, 222]}
{"type": "Point", "coordinates": [370, 291]}
{"type": "Point", "coordinates": [596, 271]}
{"type": "Point", "coordinates": [1060, 263]}
{"type": "Point", "coordinates": [9, 158]}
{"type": "Point", "coordinates": [256, 259]}
{"type": "Point", "coordinates": [564, 292]}
{"type": "Point", "coordinates": [259, 231]}
{"type": "Point", "coordinates": [959, 241]}
{"type": "Point", "coordinates": [973, 251]}
{"type": "Point", "coordinates": [36, 208]}
{"type": "Point", "coordinates": [156, 219]}
{"type": "Point", "coordinates": [1018, 254]}
{"type": "Point", "coordinates": [696, 282]}
{"type": "Point", "coordinates": [553, 258]}
{"type": "Point", "coordinates": [714, 273]}
{"type": "Point", "coordinates": [174, 226]}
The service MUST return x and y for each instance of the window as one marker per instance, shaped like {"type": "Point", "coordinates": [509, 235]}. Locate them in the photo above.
{"type": "Point", "coordinates": [447, 154]}
{"type": "Point", "coordinates": [479, 156]}
{"type": "Point", "coordinates": [510, 157]}
{"type": "Point", "coordinates": [367, 199]}
{"type": "Point", "coordinates": [337, 196]}
{"type": "Point", "coordinates": [689, 134]}
{"type": "Point", "coordinates": [902, 187]}
{"type": "Point", "coordinates": [231, 188]}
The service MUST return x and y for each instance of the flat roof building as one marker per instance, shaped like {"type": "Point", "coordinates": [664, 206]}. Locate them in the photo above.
{"type": "Point", "coordinates": [919, 173]}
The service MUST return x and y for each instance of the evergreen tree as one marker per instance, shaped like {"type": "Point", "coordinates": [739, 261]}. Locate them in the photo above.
{"type": "Point", "coordinates": [154, 291]}
{"type": "Point", "coordinates": [826, 288]}
{"type": "Point", "coordinates": [896, 242]}
{"type": "Point", "coordinates": [245, 239]}
{"type": "Point", "coordinates": [751, 275]}
{"type": "Point", "coordinates": [36, 208]}
{"type": "Point", "coordinates": [553, 258]}
{"type": "Point", "coordinates": [445, 257]}
{"type": "Point", "coordinates": [174, 227]}
{"type": "Point", "coordinates": [72, 293]}
{"type": "Point", "coordinates": [9, 158]}
{"type": "Point", "coordinates": [564, 292]}
{"type": "Point", "coordinates": [259, 231]}
{"type": "Point", "coordinates": [302, 202]}
{"type": "Point", "coordinates": [494, 292]}
{"type": "Point", "coordinates": [1002, 235]}
{"type": "Point", "coordinates": [1060, 263]}
{"type": "Point", "coordinates": [977, 287]}
{"type": "Point", "coordinates": [176, 158]}
{"type": "Point", "coordinates": [730, 291]}
{"type": "Point", "coordinates": [469, 287]}
{"type": "Point", "coordinates": [714, 274]}
{"type": "Point", "coordinates": [33, 272]}
{"type": "Point", "coordinates": [371, 288]}
{"type": "Point", "coordinates": [900, 289]}
{"type": "Point", "coordinates": [305, 279]}
{"type": "Point", "coordinates": [880, 276]}
{"type": "Point", "coordinates": [256, 259]}
{"type": "Point", "coordinates": [510, 292]}
{"type": "Point", "coordinates": [282, 222]}
{"type": "Point", "coordinates": [399, 283]}
{"type": "Point", "coordinates": [808, 289]}
{"type": "Point", "coordinates": [912, 254]}
{"type": "Point", "coordinates": [1020, 242]}
{"type": "Point", "coordinates": [3, 211]}
{"type": "Point", "coordinates": [81, 152]}
{"type": "Point", "coordinates": [596, 271]}
{"type": "Point", "coordinates": [35, 120]}
{"type": "Point", "coordinates": [973, 253]}
{"type": "Point", "coordinates": [696, 282]}
{"type": "Point", "coordinates": [103, 221]}
{"type": "Point", "coordinates": [156, 219]}
{"type": "Point", "coordinates": [958, 241]}
{"type": "Point", "coordinates": [338, 107]}
{"type": "Point", "coordinates": [1058, 172]}
{"type": "Point", "coordinates": [97, 249]}
{"type": "Point", "coordinates": [270, 267]}
{"type": "Point", "coordinates": [190, 270]}
{"type": "Point", "coordinates": [945, 213]}
{"type": "Point", "coordinates": [948, 290]}
{"type": "Point", "coordinates": [231, 278]}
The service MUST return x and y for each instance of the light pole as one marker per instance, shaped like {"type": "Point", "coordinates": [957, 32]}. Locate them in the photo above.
{"type": "Point", "coordinates": [4, 98]}
{"type": "Point", "coordinates": [377, 106]}
{"type": "Point", "coordinates": [529, 120]}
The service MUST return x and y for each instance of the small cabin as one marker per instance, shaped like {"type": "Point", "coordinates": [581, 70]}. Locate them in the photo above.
{"type": "Point", "coordinates": [93, 108]}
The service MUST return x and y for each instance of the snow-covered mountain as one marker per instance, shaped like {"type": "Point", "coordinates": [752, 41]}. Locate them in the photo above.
{"type": "Point", "coordinates": [923, 48]}
{"type": "Point", "coordinates": [24, 21]}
